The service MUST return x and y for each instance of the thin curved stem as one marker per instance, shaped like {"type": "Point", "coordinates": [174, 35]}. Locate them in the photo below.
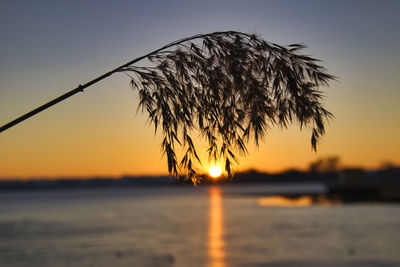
{"type": "Point", "coordinates": [81, 88]}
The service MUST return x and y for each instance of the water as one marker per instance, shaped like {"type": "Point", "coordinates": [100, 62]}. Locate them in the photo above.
{"type": "Point", "coordinates": [186, 226]}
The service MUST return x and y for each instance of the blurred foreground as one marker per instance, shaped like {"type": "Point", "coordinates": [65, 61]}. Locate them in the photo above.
{"type": "Point", "coordinates": [230, 225]}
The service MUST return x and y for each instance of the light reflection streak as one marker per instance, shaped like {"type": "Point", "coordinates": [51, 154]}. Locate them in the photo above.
{"type": "Point", "coordinates": [281, 201]}
{"type": "Point", "coordinates": [302, 201]}
{"type": "Point", "coordinates": [216, 242]}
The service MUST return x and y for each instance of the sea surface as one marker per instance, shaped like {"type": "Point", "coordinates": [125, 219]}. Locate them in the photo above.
{"type": "Point", "coordinates": [216, 226]}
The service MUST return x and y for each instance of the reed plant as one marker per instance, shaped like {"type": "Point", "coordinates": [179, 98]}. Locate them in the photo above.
{"type": "Point", "coordinates": [230, 87]}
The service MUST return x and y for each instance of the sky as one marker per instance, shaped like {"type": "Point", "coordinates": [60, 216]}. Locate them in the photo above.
{"type": "Point", "coordinates": [49, 47]}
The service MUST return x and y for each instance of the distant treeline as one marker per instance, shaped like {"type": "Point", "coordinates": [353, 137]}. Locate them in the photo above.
{"type": "Point", "coordinates": [94, 182]}
{"type": "Point", "coordinates": [345, 177]}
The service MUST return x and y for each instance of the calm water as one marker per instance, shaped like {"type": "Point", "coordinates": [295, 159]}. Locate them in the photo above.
{"type": "Point", "coordinates": [186, 226]}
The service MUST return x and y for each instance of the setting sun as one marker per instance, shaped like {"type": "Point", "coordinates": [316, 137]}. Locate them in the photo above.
{"type": "Point", "coordinates": [215, 171]}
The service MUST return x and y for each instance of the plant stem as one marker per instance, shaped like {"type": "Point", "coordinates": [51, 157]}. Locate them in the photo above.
{"type": "Point", "coordinates": [80, 88]}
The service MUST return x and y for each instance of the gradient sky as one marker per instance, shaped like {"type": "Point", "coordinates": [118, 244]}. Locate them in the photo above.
{"type": "Point", "coordinates": [50, 47]}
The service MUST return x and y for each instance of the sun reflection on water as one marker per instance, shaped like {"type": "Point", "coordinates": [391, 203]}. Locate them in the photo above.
{"type": "Point", "coordinates": [216, 242]}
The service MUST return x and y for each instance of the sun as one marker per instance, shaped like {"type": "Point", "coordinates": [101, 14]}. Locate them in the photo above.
{"type": "Point", "coordinates": [215, 171]}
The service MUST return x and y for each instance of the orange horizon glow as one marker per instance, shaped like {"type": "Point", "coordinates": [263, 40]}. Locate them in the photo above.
{"type": "Point", "coordinates": [130, 148]}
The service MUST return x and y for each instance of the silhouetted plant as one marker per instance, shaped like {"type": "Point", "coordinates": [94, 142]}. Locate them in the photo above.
{"type": "Point", "coordinates": [231, 87]}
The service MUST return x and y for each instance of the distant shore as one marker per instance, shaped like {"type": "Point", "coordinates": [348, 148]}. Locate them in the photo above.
{"type": "Point", "coordinates": [349, 185]}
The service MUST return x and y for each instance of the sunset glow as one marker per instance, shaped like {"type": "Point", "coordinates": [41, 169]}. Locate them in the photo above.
{"type": "Point", "coordinates": [41, 63]}
{"type": "Point", "coordinates": [215, 171]}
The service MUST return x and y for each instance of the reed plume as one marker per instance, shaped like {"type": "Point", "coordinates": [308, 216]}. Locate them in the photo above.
{"type": "Point", "coordinates": [230, 87]}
